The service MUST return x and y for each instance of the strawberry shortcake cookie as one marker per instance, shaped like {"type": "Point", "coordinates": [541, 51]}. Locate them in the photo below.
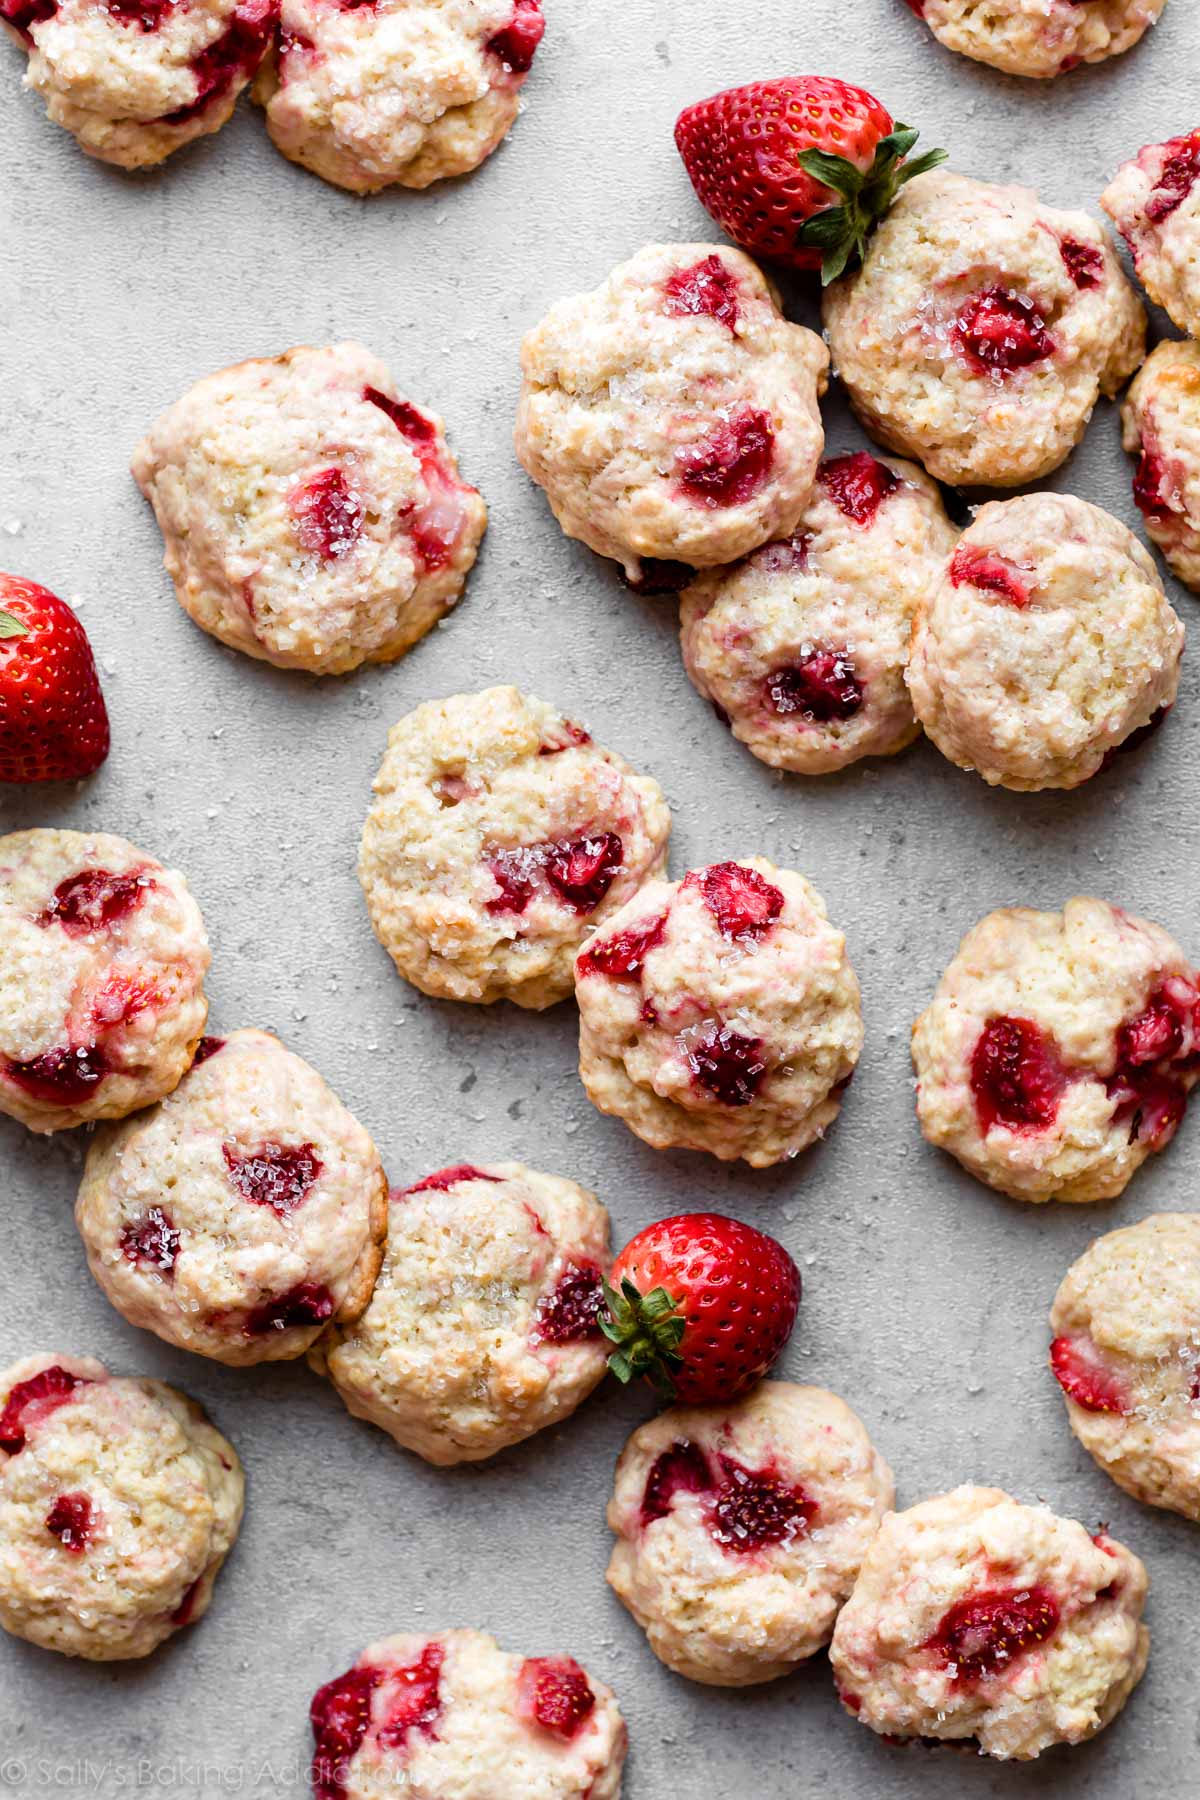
{"type": "Point", "coordinates": [720, 1013]}
{"type": "Point", "coordinates": [975, 1618]}
{"type": "Point", "coordinates": [802, 646]}
{"type": "Point", "coordinates": [1047, 646]}
{"type": "Point", "coordinates": [1126, 1353]}
{"type": "Point", "coordinates": [243, 1214]}
{"type": "Point", "coordinates": [671, 415]}
{"type": "Point", "coordinates": [398, 91]}
{"type": "Point", "coordinates": [499, 836]}
{"type": "Point", "coordinates": [981, 330]}
{"type": "Point", "coordinates": [1154, 201]}
{"type": "Point", "coordinates": [1038, 37]}
{"type": "Point", "coordinates": [118, 1504]}
{"type": "Point", "coordinates": [740, 1529]}
{"type": "Point", "coordinates": [133, 80]}
{"type": "Point", "coordinates": [483, 1326]}
{"type": "Point", "coordinates": [311, 517]}
{"type": "Point", "coordinates": [1059, 1050]}
{"type": "Point", "coordinates": [454, 1715]}
{"type": "Point", "coordinates": [103, 956]}
{"type": "Point", "coordinates": [1161, 427]}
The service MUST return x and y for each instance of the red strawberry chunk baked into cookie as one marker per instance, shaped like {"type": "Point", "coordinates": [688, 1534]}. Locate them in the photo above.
{"type": "Point", "coordinates": [404, 91]}
{"type": "Point", "coordinates": [103, 956]}
{"type": "Point", "coordinates": [310, 516]}
{"type": "Point", "coordinates": [118, 1504]}
{"type": "Point", "coordinates": [720, 1013]}
{"type": "Point", "coordinates": [483, 1327]}
{"type": "Point", "coordinates": [1059, 1050]}
{"type": "Point", "coordinates": [740, 1530]}
{"type": "Point", "coordinates": [671, 415]}
{"type": "Point", "coordinates": [1041, 38]}
{"type": "Point", "coordinates": [1154, 201]}
{"type": "Point", "coordinates": [981, 330]}
{"type": "Point", "coordinates": [243, 1214]}
{"type": "Point", "coordinates": [136, 79]}
{"type": "Point", "coordinates": [454, 1715]}
{"type": "Point", "coordinates": [499, 836]}
{"type": "Point", "coordinates": [1126, 1354]}
{"type": "Point", "coordinates": [1047, 645]}
{"type": "Point", "coordinates": [1161, 427]}
{"type": "Point", "coordinates": [975, 1617]}
{"type": "Point", "coordinates": [803, 645]}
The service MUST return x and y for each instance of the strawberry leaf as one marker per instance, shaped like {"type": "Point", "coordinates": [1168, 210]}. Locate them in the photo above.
{"type": "Point", "coordinates": [12, 627]}
{"type": "Point", "coordinates": [841, 232]}
{"type": "Point", "coordinates": [647, 1331]}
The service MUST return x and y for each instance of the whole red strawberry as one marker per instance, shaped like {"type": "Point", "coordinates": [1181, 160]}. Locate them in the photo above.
{"type": "Point", "coordinates": [701, 1305]}
{"type": "Point", "coordinates": [798, 170]}
{"type": "Point", "coordinates": [53, 722]}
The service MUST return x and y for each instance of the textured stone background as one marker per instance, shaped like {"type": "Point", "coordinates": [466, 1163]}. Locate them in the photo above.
{"type": "Point", "coordinates": [926, 1294]}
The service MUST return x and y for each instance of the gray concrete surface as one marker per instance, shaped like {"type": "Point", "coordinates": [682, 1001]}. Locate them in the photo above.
{"type": "Point", "coordinates": [926, 1294]}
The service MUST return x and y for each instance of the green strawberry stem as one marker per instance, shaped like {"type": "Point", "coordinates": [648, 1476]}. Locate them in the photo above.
{"type": "Point", "coordinates": [841, 232]}
{"type": "Point", "coordinates": [11, 626]}
{"type": "Point", "coordinates": [647, 1330]}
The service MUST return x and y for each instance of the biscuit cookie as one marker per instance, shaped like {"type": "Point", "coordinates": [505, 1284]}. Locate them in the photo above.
{"type": "Point", "coordinates": [401, 91]}
{"type": "Point", "coordinates": [981, 330]}
{"type": "Point", "coordinates": [1038, 37]}
{"type": "Point", "coordinates": [1126, 1353]}
{"type": "Point", "coordinates": [310, 517]}
{"type": "Point", "coordinates": [1154, 202]}
{"type": "Point", "coordinates": [1059, 1050]}
{"type": "Point", "coordinates": [102, 962]}
{"type": "Point", "coordinates": [720, 1013]}
{"type": "Point", "coordinates": [1047, 645]}
{"type": "Point", "coordinates": [118, 1504]}
{"type": "Point", "coordinates": [1160, 424]}
{"type": "Point", "coordinates": [671, 414]}
{"type": "Point", "coordinates": [241, 1215]}
{"type": "Point", "coordinates": [975, 1617]}
{"type": "Point", "coordinates": [740, 1529]}
{"type": "Point", "coordinates": [454, 1715]}
{"type": "Point", "coordinates": [499, 835]}
{"type": "Point", "coordinates": [133, 80]}
{"type": "Point", "coordinates": [802, 647]}
{"type": "Point", "coordinates": [482, 1328]}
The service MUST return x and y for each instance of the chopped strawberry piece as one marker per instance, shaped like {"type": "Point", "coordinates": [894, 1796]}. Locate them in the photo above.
{"type": "Point", "coordinates": [340, 1714]}
{"type": "Point", "coordinates": [993, 573]}
{"type": "Point", "coordinates": [516, 43]}
{"type": "Point", "coordinates": [1084, 262]}
{"type": "Point", "coordinates": [414, 1701]}
{"type": "Point", "coordinates": [72, 1521]}
{"type": "Point", "coordinates": [1016, 1076]}
{"type": "Point", "coordinates": [728, 467]}
{"type": "Point", "coordinates": [706, 288]}
{"type": "Point", "coordinates": [743, 902]}
{"type": "Point", "coordinates": [95, 900]}
{"type": "Point", "coordinates": [1084, 1377]}
{"type": "Point", "coordinates": [32, 1401]}
{"type": "Point", "coordinates": [554, 1691]}
{"type": "Point", "coordinates": [622, 955]}
{"type": "Point", "coordinates": [328, 515]}
{"type": "Point", "coordinates": [858, 484]}
{"type": "Point", "coordinates": [984, 1633]}
{"type": "Point", "coordinates": [274, 1175]}
{"type": "Point", "coordinates": [444, 1179]}
{"type": "Point", "coordinates": [727, 1064]}
{"type": "Point", "coordinates": [570, 1312]}
{"type": "Point", "coordinates": [998, 331]}
{"type": "Point", "coordinates": [819, 687]}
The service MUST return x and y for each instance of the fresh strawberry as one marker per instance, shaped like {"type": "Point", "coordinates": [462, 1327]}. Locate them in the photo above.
{"type": "Point", "coordinates": [798, 170]}
{"type": "Point", "coordinates": [53, 722]}
{"type": "Point", "coordinates": [701, 1305]}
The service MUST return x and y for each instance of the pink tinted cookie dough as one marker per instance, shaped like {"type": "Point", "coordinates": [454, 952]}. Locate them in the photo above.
{"type": "Point", "coordinates": [720, 1013]}
{"type": "Point", "coordinates": [482, 1328]}
{"type": "Point", "coordinates": [499, 836]}
{"type": "Point", "coordinates": [1059, 1050]}
{"type": "Point", "coordinates": [975, 1617]}
{"type": "Point", "coordinates": [1154, 202]}
{"type": "Point", "coordinates": [802, 646]}
{"type": "Point", "coordinates": [399, 91]}
{"type": "Point", "coordinates": [1160, 424]}
{"type": "Point", "coordinates": [1126, 1354]}
{"type": "Point", "coordinates": [311, 517]}
{"type": "Point", "coordinates": [1040, 38]}
{"type": "Point", "coordinates": [454, 1717]}
{"type": "Point", "coordinates": [671, 414]}
{"type": "Point", "coordinates": [982, 329]}
{"type": "Point", "coordinates": [118, 1504]}
{"type": "Point", "coordinates": [243, 1214]}
{"type": "Point", "coordinates": [134, 80]}
{"type": "Point", "coordinates": [740, 1530]}
{"type": "Point", "coordinates": [1047, 646]}
{"type": "Point", "coordinates": [103, 956]}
